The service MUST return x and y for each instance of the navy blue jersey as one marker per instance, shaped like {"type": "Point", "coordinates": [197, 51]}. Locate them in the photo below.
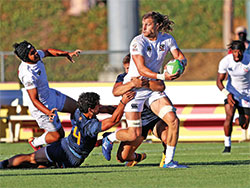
{"type": "Point", "coordinates": [120, 77]}
{"type": "Point", "coordinates": [84, 133]}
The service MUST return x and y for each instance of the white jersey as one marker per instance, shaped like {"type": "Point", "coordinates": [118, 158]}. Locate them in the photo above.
{"type": "Point", "coordinates": [153, 52]}
{"type": "Point", "coordinates": [238, 78]}
{"type": "Point", "coordinates": [34, 76]}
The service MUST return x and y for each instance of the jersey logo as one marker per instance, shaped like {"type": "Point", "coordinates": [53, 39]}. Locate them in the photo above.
{"type": "Point", "coordinates": [134, 106]}
{"type": "Point", "coordinates": [135, 48]}
{"type": "Point", "coordinates": [162, 47]}
{"type": "Point", "coordinates": [149, 48]}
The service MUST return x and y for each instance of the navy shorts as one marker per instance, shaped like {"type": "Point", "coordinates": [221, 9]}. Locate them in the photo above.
{"type": "Point", "coordinates": [149, 126]}
{"type": "Point", "coordinates": [61, 155]}
{"type": "Point", "coordinates": [241, 110]}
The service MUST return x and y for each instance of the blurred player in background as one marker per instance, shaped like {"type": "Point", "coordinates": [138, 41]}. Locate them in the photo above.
{"type": "Point", "coordinates": [237, 91]}
{"type": "Point", "coordinates": [148, 52]}
{"type": "Point", "coordinates": [241, 34]}
{"type": "Point", "coordinates": [44, 101]}
{"type": "Point", "coordinates": [150, 122]}
{"type": "Point", "coordinates": [74, 149]}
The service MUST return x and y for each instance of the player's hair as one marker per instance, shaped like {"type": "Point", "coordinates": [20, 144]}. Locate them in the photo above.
{"type": "Point", "coordinates": [87, 100]}
{"type": "Point", "coordinates": [165, 25]}
{"type": "Point", "coordinates": [22, 50]}
{"type": "Point", "coordinates": [126, 59]}
{"type": "Point", "coordinates": [237, 45]}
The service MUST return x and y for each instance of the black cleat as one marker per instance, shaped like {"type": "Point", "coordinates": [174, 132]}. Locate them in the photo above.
{"type": "Point", "coordinates": [227, 149]}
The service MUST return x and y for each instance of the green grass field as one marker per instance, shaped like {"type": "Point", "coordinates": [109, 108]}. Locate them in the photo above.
{"type": "Point", "coordinates": [208, 168]}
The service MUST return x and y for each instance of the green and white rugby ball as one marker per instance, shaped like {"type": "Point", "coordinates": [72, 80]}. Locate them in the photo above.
{"type": "Point", "coordinates": [174, 66]}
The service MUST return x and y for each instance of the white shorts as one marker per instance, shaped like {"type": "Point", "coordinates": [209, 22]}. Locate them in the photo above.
{"type": "Point", "coordinates": [56, 100]}
{"type": "Point", "coordinates": [143, 96]}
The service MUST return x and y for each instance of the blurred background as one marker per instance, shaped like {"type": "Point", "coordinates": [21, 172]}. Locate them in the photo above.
{"type": "Point", "coordinates": [103, 29]}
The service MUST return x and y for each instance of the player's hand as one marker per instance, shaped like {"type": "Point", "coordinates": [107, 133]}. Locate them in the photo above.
{"type": "Point", "coordinates": [172, 76]}
{"type": "Point", "coordinates": [128, 96]}
{"type": "Point", "coordinates": [230, 99]}
{"type": "Point", "coordinates": [71, 54]}
{"type": "Point", "coordinates": [52, 114]}
{"type": "Point", "coordinates": [139, 82]}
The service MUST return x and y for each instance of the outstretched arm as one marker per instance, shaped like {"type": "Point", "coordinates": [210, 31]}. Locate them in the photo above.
{"type": "Point", "coordinates": [118, 113]}
{"type": "Point", "coordinates": [54, 53]}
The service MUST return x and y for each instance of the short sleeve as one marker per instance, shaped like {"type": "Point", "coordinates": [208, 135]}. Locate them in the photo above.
{"type": "Point", "coordinates": [28, 82]}
{"type": "Point", "coordinates": [41, 53]}
{"type": "Point", "coordinates": [120, 78]}
{"type": "Point", "coordinates": [136, 48]}
{"type": "Point", "coordinates": [223, 66]}
{"type": "Point", "coordinates": [172, 44]}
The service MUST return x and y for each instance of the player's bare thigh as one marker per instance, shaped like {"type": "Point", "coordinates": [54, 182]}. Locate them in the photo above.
{"type": "Point", "coordinates": [158, 104]}
{"type": "Point", "coordinates": [70, 105]}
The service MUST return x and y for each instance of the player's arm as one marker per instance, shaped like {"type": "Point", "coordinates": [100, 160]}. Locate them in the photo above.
{"type": "Point", "coordinates": [156, 85]}
{"type": "Point", "coordinates": [219, 82]}
{"type": "Point", "coordinates": [33, 94]}
{"type": "Point", "coordinates": [177, 54]}
{"type": "Point", "coordinates": [109, 109]}
{"type": "Point", "coordinates": [118, 113]}
{"type": "Point", "coordinates": [146, 72]}
{"type": "Point", "coordinates": [119, 88]}
{"type": "Point", "coordinates": [55, 53]}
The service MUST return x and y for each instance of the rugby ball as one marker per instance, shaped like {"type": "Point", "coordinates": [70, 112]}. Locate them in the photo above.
{"type": "Point", "coordinates": [174, 66]}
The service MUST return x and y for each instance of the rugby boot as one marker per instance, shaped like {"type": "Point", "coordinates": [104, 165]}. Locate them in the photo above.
{"type": "Point", "coordinates": [135, 162]}
{"type": "Point", "coordinates": [35, 148]}
{"type": "Point", "coordinates": [174, 164]}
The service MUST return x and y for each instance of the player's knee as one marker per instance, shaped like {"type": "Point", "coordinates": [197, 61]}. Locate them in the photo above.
{"type": "Point", "coordinates": [119, 158]}
{"type": "Point", "coordinates": [165, 110]}
{"type": "Point", "coordinates": [32, 158]}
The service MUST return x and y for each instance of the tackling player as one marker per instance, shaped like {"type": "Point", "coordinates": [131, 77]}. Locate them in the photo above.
{"type": "Point", "coordinates": [74, 149]}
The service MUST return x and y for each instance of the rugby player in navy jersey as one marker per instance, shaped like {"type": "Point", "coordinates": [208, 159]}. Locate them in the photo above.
{"type": "Point", "coordinates": [74, 149]}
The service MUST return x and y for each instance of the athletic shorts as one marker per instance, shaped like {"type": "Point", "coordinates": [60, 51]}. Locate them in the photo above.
{"type": "Point", "coordinates": [56, 100]}
{"type": "Point", "coordinates": [60, 154]}
{"type": "Point", "coordinates": [149, 126]}
{"type": "Point", "coordinates": [241, 110]}
{"type": "Point", "coordinates": [142, 96]}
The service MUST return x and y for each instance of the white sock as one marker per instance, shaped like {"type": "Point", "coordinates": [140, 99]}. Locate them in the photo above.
{"type": "Point", "coordinates": [227, 141]}
{"type": "Point", "coordinates": [112, 137]}
{"type": "Point", "coordinates": [169, 154]}
{"type": "Point", "coordinates": [38, 141]}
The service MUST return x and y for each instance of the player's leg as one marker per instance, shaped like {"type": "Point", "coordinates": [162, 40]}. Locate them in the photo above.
{"type": "Point", "coordinates": [243, 121]}
{"type": "Point", "coordinates": [53, 130]}
{"type": "Point", "coordinates": [133, 111]}
{"type": "Point", "coordinates": [165, 110]}
{"type": "Point", "coordinates": [70, 105]}
{"type": "Point", "coordinates": [126, 152]}
{"type": "Point", "coordinates": [129, 134]}
{"type": "Point", "coordinates": [161, 131]}
{"type": "Point", "coordinates": [26, 160]}
{"type": "Point", "coordinates": [228, 126]}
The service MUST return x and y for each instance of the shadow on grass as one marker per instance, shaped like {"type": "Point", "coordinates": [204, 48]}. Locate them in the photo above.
{"type": "Point", "coordinates": [219, 163]}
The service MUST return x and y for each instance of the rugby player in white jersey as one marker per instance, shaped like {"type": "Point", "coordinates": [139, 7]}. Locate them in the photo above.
{"type": "Point", "coordinates": [148, 52]}
{"type": "Point", "coordinates": [44, 102]}
{"type": "Point", "coordinates": [237, 91]}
